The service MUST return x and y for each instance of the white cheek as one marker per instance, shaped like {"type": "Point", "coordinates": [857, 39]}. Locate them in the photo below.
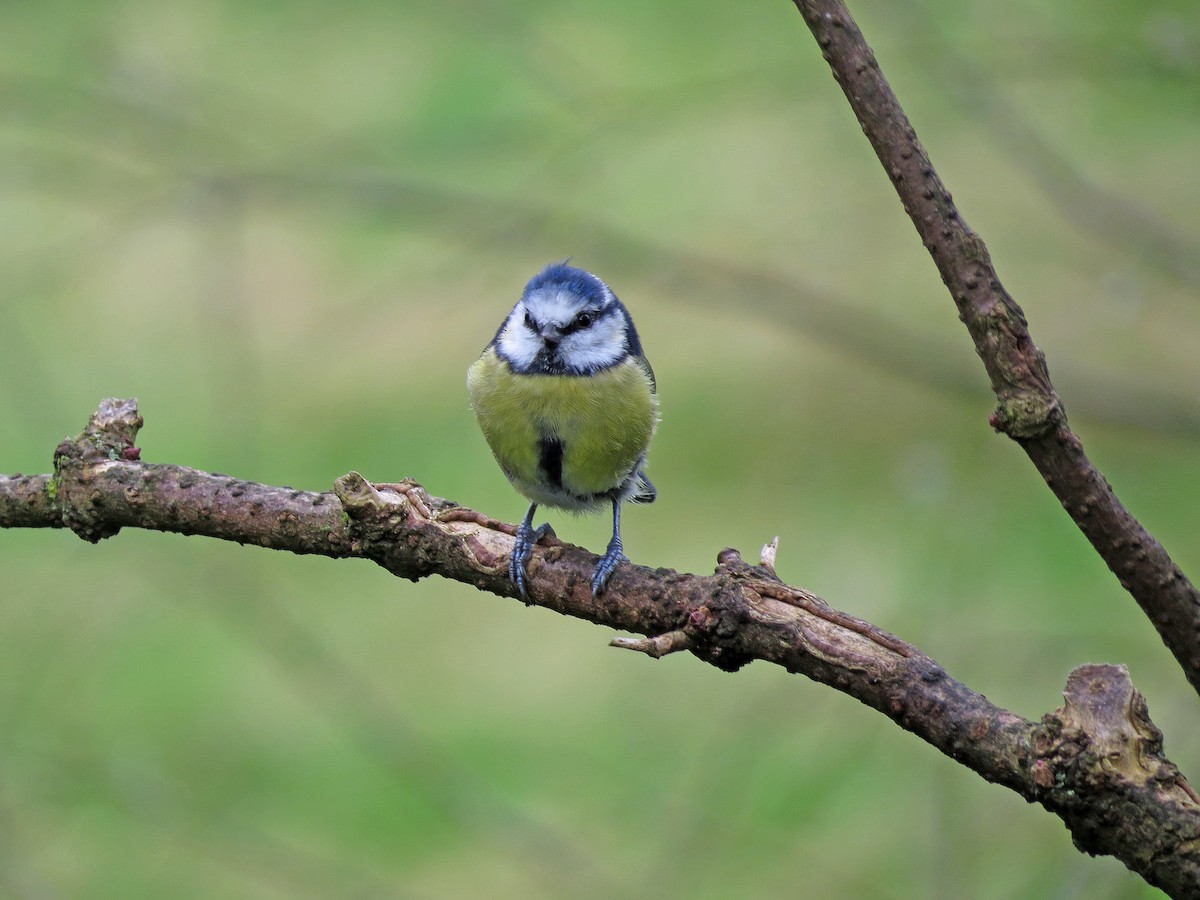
{"type": "Point", "coordinates": [518, 344]}
{"type": "Point", "coordinates": [601, 345]}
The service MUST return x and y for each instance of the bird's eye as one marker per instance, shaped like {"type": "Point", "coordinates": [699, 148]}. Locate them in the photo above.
{"type": "Point", "coordinates": [583, 320]}
{"type": "Point", "coordinates": [529, 322]}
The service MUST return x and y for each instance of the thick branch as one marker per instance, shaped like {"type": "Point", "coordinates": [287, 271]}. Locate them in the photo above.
{"type": "Point", "coordinates": [1029, 410]}
{"type": "Point", "coordinates": [1099, 754]}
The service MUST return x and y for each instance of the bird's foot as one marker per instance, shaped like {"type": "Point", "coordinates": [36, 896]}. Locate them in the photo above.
{"type": "Point", "coordinates": [612, 558]}
{"type": "Point", "coordinates": [518, 562]}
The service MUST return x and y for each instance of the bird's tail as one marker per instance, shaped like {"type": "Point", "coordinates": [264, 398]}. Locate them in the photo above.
{"type": "Point", "coordinates": [643, 490]}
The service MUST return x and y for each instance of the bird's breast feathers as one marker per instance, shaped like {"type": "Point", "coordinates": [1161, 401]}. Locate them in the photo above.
{"type": "Point", "coordinates": [565, 440]}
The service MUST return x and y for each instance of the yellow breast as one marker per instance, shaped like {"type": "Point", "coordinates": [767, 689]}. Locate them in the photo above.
{"type": "Point", "coordinates": [604, 423]}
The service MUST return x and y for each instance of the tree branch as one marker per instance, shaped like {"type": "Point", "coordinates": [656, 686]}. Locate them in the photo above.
{"type": "Point", "coordinates": [1098, 753]}
{"type": "Point", "coordinates": [1029, 411]}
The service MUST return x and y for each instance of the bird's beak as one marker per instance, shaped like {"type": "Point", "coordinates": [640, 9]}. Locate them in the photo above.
{"type": "Point", "coordinates": [551, 336]}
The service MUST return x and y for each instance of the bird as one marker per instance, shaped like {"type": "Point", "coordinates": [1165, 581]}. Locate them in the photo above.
{"type": "Point", "coordinates": [568, 404]}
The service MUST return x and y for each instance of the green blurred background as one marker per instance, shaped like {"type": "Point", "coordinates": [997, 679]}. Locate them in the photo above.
{"type": "Point", "coordinates": [289, 228]}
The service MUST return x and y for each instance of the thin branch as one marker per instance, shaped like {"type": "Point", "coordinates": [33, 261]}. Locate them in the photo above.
{"type": "Point", "coordinates": [1099, 752]}
{"type": "Point", "coordinates": [656, 647]}
{"type": "Point", "coordinates": [1029, 410]}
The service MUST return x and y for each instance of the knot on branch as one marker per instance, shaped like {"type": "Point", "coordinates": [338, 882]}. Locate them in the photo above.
{"type": "Point", "coordinates": [404, 528]}
{"type": "Point", "coordinates": [406, 499]}
{"type": "Point", "coordinates": [379, 517]}
{"type": "Point", "coordinates": [110, 436]}
{"type": "Point", "coordinates": [1104, 727]}
{"type": "Point", "coordinates": [1025, 415]}
{"type": "Point", "coordinates": [1102, 741]}
{"type": "Point", "coordinates": [730, 561]}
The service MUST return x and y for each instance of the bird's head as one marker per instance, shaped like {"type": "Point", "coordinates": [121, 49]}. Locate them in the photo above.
{"type": "Point", "coordinates": [567, 322]}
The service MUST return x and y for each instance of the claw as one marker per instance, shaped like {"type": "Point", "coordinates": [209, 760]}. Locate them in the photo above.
{"type": "Point", "coordinates": [518, 562]}
{"type": "Point", "coordinates": [612, 557]}
{"type": "Point", "coordinates": [527, 536]}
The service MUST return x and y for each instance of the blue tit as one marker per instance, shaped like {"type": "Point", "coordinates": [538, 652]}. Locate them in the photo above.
{"type": "Point", "coordinates": [568, 404]}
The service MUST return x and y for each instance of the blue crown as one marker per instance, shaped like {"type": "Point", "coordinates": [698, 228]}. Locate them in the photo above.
{"type": "Point", "coordinates": [570, 279]}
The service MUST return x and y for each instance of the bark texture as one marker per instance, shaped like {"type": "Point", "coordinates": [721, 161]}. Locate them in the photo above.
{"type": "Point", "coordinates": [1028, 409]}
{"type": "Point", "coordinates": [1097, 762]}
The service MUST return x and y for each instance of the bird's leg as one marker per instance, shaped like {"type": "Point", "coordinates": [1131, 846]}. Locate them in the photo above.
{"type": "Point", "coordinates": [612, 557]}
{"type": "Point", "coordinates": [527, 536]}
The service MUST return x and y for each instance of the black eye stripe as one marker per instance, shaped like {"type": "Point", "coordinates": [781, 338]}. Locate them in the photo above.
{"type": "Point", "coordinates": [583, 320]}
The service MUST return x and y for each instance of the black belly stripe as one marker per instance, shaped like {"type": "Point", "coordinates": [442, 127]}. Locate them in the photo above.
{"type": "Point", "coordinates": [550, 460]}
